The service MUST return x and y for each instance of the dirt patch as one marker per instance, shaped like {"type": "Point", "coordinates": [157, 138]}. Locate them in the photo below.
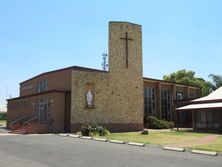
{"type": "Point", "coordinates": [201, 141]}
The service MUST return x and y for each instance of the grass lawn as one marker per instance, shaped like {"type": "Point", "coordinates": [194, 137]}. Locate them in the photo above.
{"type": "Point", "coordinates": [166, 138]}
{"type": "Point", "coordinates": [2, 122]}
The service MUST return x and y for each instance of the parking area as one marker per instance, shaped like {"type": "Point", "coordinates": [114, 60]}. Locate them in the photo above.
{"type": "Point", "coordinates": [56, 151]}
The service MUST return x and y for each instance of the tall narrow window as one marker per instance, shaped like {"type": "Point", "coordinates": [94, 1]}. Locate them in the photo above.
{"type": "Point", "coordinates": [166, 103]}
{"type": "Point", "coordinates": [42, 86]}
{"type": "Point", "coordinates": [183, 114]}
{"type": "Point", "coordinates": [149, 101]}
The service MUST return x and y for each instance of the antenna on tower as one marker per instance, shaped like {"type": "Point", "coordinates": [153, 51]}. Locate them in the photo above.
{"type": "Point", "coordinates": [104, 63]}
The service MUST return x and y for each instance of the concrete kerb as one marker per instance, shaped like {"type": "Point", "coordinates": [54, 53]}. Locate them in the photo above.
{"type": "Point", "coordinates": [100, 139]}
{"type": "Point", "coordinates": [178, 149]}
{"type": "Point", "coordinates": [64, 134]}
{"type": "Point", "coordinates": [136, 144]}
{"type": "Point", "coordinates": [74, 136]}
{"type": "Point", "coordinates": [86, 137]}
{"type": "Point", "coordinates": [211, 153]}
{"type": "Point", "coordinates": [37, 134]}
{"type": "Point", "coordinates": [117, 141]}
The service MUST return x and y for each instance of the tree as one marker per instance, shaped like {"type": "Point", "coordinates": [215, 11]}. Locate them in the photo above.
{"type": "Point", "coordinates": [217, 81]}
{"type": "Point", "coordinates": [189, 78]}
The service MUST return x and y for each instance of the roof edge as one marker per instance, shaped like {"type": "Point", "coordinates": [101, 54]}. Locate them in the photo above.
{"type": "Point", "coordinates": [37, 94]}
{"type": "Point", "coordinates": [159, 80]}
{"type": "Point", "coordinates": [206, 101]}
{"type": "Point", "coordinates": [63, 69]}
{"type": "Point", "coordinates": [124, 22]}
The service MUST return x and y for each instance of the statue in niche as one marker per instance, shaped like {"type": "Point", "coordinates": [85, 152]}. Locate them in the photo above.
{"type": "Point", "coordinates": [89, 98]}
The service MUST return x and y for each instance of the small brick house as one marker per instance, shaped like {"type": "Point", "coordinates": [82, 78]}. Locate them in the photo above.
{"type": "Point", "coordinates": [206, 111]}
{"type": "Point", "coordinates": [63, 100]}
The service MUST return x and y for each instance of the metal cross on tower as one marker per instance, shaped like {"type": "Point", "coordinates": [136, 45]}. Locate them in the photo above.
{"type": "Point", "coordinates": [126, 39]}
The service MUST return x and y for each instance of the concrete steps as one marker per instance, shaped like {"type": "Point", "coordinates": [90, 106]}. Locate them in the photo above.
{"type": "Point", "coordinates": [22, 130]}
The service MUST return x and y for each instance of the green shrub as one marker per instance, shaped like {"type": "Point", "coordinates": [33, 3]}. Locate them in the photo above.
{"type": "Point", "coordinates": [104, 132]}
{"type": "Point", "coordinates": [154, 123]}
{"type": "Point", "coordinates": [167, 124]}
{"type": "Point", "coordinates": [93, 130]}
{"type": "Point", "coordinates": [86, 130]}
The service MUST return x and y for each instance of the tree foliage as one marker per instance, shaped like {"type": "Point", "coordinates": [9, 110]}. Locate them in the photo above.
{"type": "Point", "coordinates": [189, 78]}
{"type": "Point", "coordinates": [217, 81]}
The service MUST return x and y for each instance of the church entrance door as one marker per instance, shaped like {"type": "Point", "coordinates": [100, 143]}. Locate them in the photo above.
{"type": "Point", "coordinates": [43, 109]}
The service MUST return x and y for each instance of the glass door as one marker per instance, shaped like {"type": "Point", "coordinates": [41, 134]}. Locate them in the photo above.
{"type": "Point", "coordinates": [43, 110]}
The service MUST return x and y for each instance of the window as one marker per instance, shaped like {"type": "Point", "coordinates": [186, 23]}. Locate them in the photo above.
{"type": "Point", "coordinates": [203, 116]}
{"type": "Point", "coordinates": [193, 95]}
{"type": "Point", "coordinates": [182, 114]}
{"type": "Point", "coordinates": [166, 104]}
{"type": "Point", "coordinates": [179, 95]}
{"type": "Point", "coordinates": [149, 101]}
{"type": "Point", "coordinates": [42, 86]}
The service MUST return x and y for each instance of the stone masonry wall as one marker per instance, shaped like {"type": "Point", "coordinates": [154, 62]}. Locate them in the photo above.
{"type": "Point", "coordinates": [118, 94]}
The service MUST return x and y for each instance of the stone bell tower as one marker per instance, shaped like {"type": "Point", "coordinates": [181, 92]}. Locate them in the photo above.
{"type": "Point", "coordinates": [125, 67]}
{"type": "Point", "coordinates": [125, 47]}
{"type": "Point", "coordinates": [117, 94]}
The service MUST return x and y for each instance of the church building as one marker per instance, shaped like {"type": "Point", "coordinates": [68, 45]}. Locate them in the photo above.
{"type": "Point", "coordinates": [63, 100]}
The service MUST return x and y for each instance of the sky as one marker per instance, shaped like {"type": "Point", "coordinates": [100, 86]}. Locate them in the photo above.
{"type": "Point", "coordinates": [42, 35]}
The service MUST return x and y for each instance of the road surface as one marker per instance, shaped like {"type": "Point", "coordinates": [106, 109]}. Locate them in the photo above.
{"type": "Point", "coordinates": [57, 151]}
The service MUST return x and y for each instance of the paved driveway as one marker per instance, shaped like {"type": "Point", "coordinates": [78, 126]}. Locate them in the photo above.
{"type": "Point", "coordinates": [57, 151]}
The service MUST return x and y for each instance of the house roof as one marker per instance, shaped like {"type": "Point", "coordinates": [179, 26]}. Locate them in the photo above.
{"type": "Point", "coordinates": [216, 95]}
{"type": "Point", "coordinates": [213, 100]}
{"type": "Point", "coordinates": [201, 106]}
